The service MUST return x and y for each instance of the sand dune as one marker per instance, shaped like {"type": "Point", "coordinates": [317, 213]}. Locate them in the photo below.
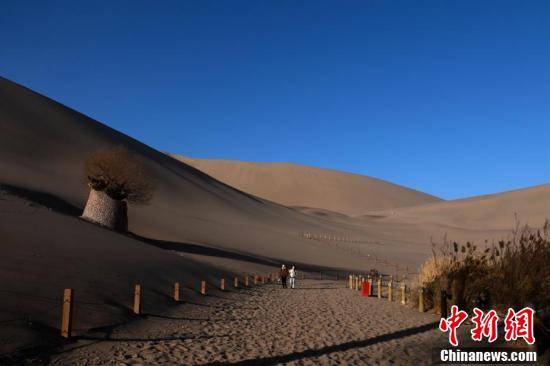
{"type": "Point", "coordinates": [44, 144]}
{"type": "Point", "coordinates": [488, 212]}
{"type": "Point", "coordinates": [43, 147]}
{"type": "Point", "coordinates": [196, 227]}
{"type": "Point", "coordinates": [208, 227]}
{"type": "Point", "coordinates": [299, 185]}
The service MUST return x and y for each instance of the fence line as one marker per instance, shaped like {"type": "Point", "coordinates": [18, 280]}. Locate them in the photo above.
{"type": "Point", "coordinates": [397, 291]}
{"type": "Point", "coordinates": [355, 251]}
{"type": "Point", "coordinates": [67, 304]}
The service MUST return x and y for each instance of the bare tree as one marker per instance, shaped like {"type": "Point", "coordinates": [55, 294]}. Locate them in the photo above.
{"type": "Point", "coordinates": [120, 174]}
{"type": "Point", "coordinates": [116, 177]}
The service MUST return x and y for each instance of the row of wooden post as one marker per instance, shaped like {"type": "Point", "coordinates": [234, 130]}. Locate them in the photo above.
{"type": "Point", "coordinates": [68, 299]}
{"type": "Point", "coordinates": [329, 237]}
{"type": "Point", "coordinates": [356, 282]}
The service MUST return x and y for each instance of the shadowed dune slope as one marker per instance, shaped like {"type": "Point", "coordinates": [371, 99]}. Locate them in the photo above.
{"type": "Point", "coordinates": [299, 185]}
{"type": "Point", "coordinates": [43, 146]}
{"type": "Point", "coordinates": [197, 227]}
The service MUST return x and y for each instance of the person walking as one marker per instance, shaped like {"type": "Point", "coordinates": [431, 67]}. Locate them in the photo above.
{"type": "Point", "coordinates": [292, 276]}
{"type": "Point", "coordinates": [284, 275]}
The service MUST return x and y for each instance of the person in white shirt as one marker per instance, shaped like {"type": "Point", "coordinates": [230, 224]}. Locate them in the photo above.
{"type": "Point", "coordinates": [292, 277]}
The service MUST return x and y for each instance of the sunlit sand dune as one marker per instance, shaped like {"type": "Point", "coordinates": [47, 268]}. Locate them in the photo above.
{"type": "Point", "coordinates": [299, 185]}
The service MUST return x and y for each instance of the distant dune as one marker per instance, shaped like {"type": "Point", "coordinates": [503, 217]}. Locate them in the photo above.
{"type": "Point", "coordinates": [299, 185]}
{"type": "Point", "coordinates": [489, 212]}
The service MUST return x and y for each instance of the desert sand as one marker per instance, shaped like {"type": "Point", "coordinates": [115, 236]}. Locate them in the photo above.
{"type": "Point", "coordinates": [318, 323]}
{"type": "Point", "coordinates": [197, 227]}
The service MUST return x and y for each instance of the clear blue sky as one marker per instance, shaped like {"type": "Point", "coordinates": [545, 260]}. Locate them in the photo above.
{"type": "Point", "coordinates": [448, 97]}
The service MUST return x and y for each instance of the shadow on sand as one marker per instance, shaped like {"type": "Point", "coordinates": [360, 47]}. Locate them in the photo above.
{"type": "Point", "coordinates": [334, 348]}
{"type": "Point", "coordinates": [60, 205]}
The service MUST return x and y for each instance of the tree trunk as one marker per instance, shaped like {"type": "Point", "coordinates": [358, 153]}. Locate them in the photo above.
{"type": "Point", "coordinates": [103, 210]}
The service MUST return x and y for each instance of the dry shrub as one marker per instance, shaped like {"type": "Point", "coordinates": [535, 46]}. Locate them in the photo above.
{"type": "Point", "coordinates": [120, 174]}
{"type": "Point", "coordinates": [432, 269]}
{"type": "Point", "coordinates": [513, 273]}
{"type": "Point", "coordinates": [521, 268]}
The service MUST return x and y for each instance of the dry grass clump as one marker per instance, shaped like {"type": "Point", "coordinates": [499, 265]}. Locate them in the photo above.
{"type": "Point", "coordinates": [521, 269]}
{"type": "Point", "coordinates": [513, 273]}
{"type": "Point", "coordinates": [432, 269]}
{"type": "Point", "coordinates": [120, 174]}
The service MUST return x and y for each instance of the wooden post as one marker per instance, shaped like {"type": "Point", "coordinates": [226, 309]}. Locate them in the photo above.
{"type": "Point", "coordinates": [370, 285]}
{"type": "Point", "coordinates": [390, 290]}
{"type": "Point", "coordinates": [222, 284]}
{"type": "Point", "coordinates": [177, 291]}
{"type": "Point", "coordinates": [350, 282]}
{"type": "Point", "coordinates": [203, 287]}
{"type": "Point", "coordinates": [379, 287]}
{"type": "Point", "coordinates": [403, 293]}
{"type": "Point", "coordinates": [137, 299]}
{"type": "Point", "coordinates": [443, 303]}
{"type": "Point", "coordinates": [236, 282]}
{"type": "Point", "coordinates": [67, 313]}
{"type": "Point", "coordinates": [255, 280]}
{"type": "Point", "coordinates": [421, 300]}
{"type": "Point", "coordinates": [246, 281]}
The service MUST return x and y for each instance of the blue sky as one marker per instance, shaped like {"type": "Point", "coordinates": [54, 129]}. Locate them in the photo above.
{"type": "Point", "coordinates": [448, 97]}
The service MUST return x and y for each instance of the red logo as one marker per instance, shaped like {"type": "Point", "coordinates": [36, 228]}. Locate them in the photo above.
{"type": "Point", "coordinates": [485, 325]}
{"type": "Point", "coordinates": [516, 325]}
{"type": "Point", "coordinates": [519, 325]}
{"type": "Point", "coordinates": [452, 323]}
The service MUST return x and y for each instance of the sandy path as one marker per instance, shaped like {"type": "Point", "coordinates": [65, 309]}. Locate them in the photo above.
{"type": "Point", "coordinates": [319, 323]}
